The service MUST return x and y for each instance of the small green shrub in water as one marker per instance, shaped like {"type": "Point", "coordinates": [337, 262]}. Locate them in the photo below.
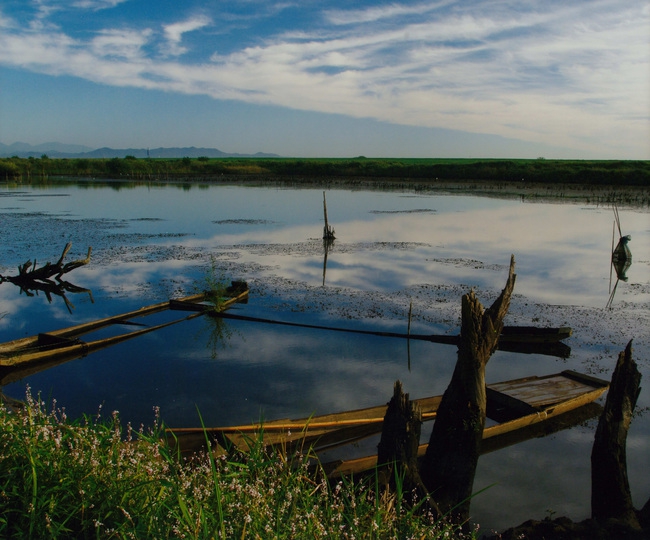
{"type": "Point", "coordinates": [214, 285]}
{"type": "Point", "coordinates": [94, 479]}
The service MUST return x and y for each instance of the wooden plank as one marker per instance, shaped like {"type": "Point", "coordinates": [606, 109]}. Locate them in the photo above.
{"type": "Point", "coordinates": [540, 416]}
{"type": "Point", "coordinates": [584, 378]}
{"type": "Point", "coordinates": [542, 391]}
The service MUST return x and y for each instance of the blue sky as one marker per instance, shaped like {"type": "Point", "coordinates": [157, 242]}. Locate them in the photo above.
{"type": "Point", "coordinates": [446, 78]}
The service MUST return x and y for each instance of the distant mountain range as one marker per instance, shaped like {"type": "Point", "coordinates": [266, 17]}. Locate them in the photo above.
{"type": "Point", "coordinates": [60, 150]}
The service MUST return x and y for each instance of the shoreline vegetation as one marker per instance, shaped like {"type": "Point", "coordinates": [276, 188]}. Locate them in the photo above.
{"type": "Point", "coordinates": [427, 172]}
{"type": "Point", "coordinates": [94, 478]}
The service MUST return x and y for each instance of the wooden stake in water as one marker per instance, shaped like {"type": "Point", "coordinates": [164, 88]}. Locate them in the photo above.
{"type": "Point", "coordinates": [328, 232]}
{"type": "Point", "coordinates": [408, 329]}
{"type": "Point", "coordinates": [408, 335]}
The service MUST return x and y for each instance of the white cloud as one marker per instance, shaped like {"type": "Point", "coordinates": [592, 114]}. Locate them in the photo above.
{"type": "Point", "coordinates": [47, 7]}
{"type": "Point", "coordinates": [121, 43]}
{"type": "Point", "coordinates": [174, 34]}
{"type": "Point", "coordinates": [351, 16]}
{"type": "Point", "coordinates": [96, 5]}
{"type": "Point", "coordinates": [575, 76]}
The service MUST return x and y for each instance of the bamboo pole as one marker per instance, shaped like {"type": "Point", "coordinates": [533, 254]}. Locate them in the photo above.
{"type": "Point", "coordinates": [247, 428]}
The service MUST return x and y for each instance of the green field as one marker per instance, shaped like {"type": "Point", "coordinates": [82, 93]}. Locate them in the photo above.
{"type": "Point", "coordinates": [590, 172]}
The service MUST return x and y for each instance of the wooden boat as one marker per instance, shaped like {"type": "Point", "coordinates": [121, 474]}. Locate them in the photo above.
{"type": "Point", "coordinates": [513, 405]}
{"type": "Point", "coordinates": [520, 339]}
{"type": "Point", "coordinates": [66, 342]}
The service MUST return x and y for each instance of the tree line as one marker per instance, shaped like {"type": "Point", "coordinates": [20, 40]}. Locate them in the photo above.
{"type": "Point", "coordinates": [591, 172]}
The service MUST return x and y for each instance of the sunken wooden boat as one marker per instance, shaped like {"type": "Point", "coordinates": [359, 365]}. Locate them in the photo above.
{"type": "Point", "coordinates": [511, 406]}
{"type": "Point", "coordinates": [509, 334]}
{"type": "Point", "coordinates": [66, 343]}
{"type": "Point", "coordinates": [519, 339]}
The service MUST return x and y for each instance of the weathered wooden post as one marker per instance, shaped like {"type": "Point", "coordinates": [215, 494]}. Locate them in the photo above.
{"type": "Point", "coordinates": [449, 465]}
{"type": "Point", "coordinates": [400, 438]}
{"type": "Point", "coordinates": [328, 231]}
{"type": "Point", "coordinates": [610, 488]}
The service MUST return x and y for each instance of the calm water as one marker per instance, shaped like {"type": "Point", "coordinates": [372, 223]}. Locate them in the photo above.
{"type": "Point", "coordinates": [154, 242]}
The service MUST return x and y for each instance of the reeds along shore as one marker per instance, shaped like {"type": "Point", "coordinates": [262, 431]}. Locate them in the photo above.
{"type": "Point", "coordinates": [584, 172]}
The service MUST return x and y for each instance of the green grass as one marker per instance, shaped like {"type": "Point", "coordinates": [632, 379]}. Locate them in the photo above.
{"type": "Point", "coordinates": [95, 479]}
{"type": "Point", "coordinates": [549, 171]}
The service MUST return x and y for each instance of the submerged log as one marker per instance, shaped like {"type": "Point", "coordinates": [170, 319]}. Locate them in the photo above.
{"type": "Point", "coordinates": [449, 465]}
{"type": "Point", "coordinates": [610, 488]}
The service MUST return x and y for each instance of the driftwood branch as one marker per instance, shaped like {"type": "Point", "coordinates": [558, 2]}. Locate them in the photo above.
{"type": "Point", "coordinates": [449, 465]}
{"type": "Point", "coordinates": [47, 278]}
{"type": "Point", "coordinates": [28, 272]}
{"type": "Point", "coordinates": [610, 489]}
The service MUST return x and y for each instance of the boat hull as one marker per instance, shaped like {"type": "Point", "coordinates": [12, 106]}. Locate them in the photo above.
{"type": "Point", "coordinates": [515, 405]}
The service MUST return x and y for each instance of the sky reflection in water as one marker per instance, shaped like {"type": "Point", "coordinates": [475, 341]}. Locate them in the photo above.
{"type": "Point", "coordinates": [150, 243]}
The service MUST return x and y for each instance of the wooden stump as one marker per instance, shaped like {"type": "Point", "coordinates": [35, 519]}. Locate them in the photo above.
{"type": "Point", "coordinates": [610, 489]}
{"type": "Point", "coordinates": [449, 465]}
{"type": "Point", "coordinates": [400, 438]}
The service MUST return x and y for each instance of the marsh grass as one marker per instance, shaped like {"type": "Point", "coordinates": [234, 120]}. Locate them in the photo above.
{"type": "Point", "coordinates": [214, 285]}
{"type": "Point", "coordinates": [95, 479]}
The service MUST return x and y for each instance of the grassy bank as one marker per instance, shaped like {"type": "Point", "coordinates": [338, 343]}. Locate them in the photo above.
{"type": "Point", "coordinates": [95, 479]}
{"type": "Point", "coordinates": [629, 173]}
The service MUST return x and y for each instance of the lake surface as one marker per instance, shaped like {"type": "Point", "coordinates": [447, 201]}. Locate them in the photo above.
{"type": "Point", "coordinates": [393, 248]}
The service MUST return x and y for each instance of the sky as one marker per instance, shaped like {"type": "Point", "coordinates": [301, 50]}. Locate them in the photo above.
{"type": "Point", "coordinates": [331, 78]}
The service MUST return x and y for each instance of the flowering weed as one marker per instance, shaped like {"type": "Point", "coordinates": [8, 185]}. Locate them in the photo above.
{"type": "Point", "coordinates": [95, 479]}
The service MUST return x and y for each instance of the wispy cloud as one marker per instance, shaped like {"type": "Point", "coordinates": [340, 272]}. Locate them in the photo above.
{"type": "Point", "coordinates": [126, 44]}
{"type": "Point", "coordinates": [576, 75]}
{"type": "Point", "coordinates": [174, 33]}
{"type": "Point", "coordinates": [390, 11]}
{"type": "Point", "coordinates": [47, 7]}
{"type": "Point", "coordinates": [96, 5]}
